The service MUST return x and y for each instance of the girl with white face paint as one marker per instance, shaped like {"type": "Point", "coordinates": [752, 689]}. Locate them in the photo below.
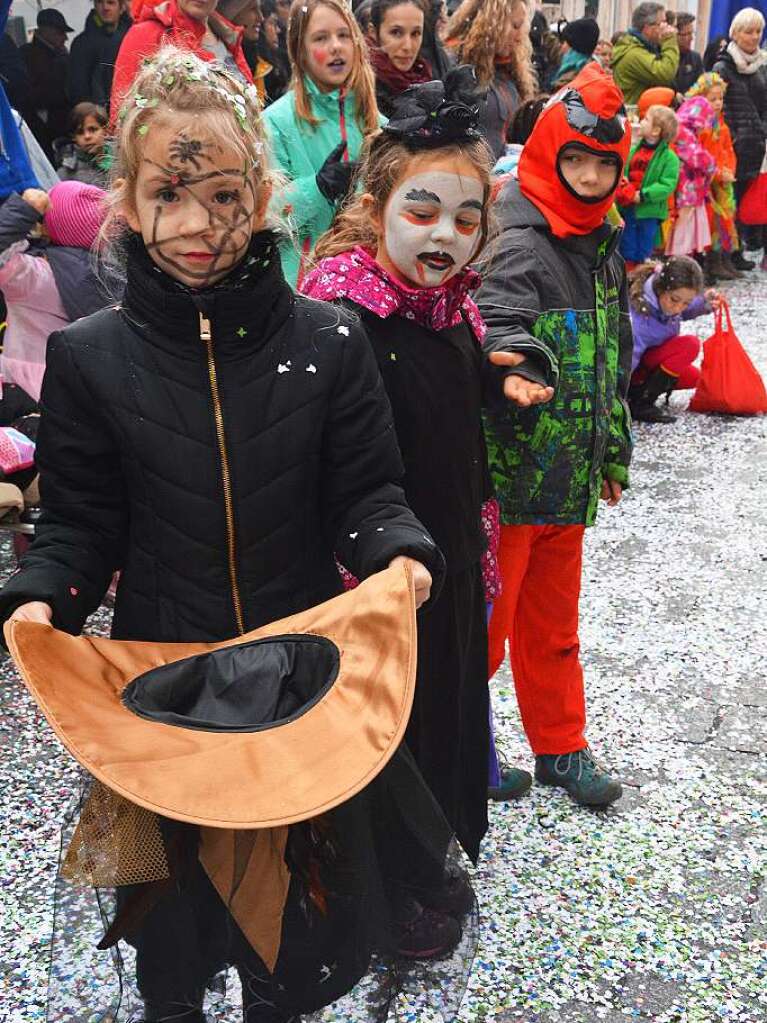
{"type": "Point", "coordinates": [399, 256]}
{"type": "Point", "coordinates": [432, 222]}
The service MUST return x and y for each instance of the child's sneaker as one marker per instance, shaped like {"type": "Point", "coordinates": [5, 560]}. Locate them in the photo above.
{"type": "Point", "coordinates": [580, 776]}
{"type": "Point", "coordinates": [514, 783]}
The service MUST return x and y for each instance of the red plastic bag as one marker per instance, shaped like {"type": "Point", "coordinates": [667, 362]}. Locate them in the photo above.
{"type": "Point", "coordinates": [729, 381]}
{"type": "Point", "coordinates": [752, 208]}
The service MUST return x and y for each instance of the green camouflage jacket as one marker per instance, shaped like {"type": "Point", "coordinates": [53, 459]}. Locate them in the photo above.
{"type": "Point", "coordinates": [563, 303]}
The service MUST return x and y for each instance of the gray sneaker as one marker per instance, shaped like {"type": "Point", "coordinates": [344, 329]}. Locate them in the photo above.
{"type": "Point", "coordinates": [580, 776]}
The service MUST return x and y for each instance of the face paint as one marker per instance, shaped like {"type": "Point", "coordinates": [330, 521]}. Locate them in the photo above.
{"type": "Point", "coordinates": [432, 226]}
{"type": "Point", "coordinates": [195, 208]}
{"type": "Point", "coordinates": [319, 56]}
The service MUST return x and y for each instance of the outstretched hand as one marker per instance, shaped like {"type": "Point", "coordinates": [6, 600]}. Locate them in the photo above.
{"type": "Point", "coordinates": [517, 389]}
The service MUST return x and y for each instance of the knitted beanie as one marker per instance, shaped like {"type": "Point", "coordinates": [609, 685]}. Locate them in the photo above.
{"type": "Point", "coordinates": [582, 35]}
{"type": "Point", "coordinates": [75, 214]}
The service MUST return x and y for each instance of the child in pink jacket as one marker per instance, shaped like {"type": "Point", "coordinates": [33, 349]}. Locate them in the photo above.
{"type": "Point", "coordinates": [46, 287]}
{"type": "Point", "coordinates": [690, 233]}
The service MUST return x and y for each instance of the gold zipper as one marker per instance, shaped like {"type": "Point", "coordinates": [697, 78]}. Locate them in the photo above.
{"type": "Point", "coordinates": [207, 338]}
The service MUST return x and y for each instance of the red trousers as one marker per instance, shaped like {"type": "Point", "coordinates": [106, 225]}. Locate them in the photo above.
{"type": "Point", "coordinates": [675, 356]}
{"type": "Point", "coordinates": [537, 613]}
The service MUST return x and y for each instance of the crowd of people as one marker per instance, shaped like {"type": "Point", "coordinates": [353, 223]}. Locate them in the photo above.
{"type": "Point", "coordinates": [324, 292]}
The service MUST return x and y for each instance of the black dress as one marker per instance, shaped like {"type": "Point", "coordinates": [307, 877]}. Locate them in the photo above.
{"type": "Point", "coordinates": [433, 382]}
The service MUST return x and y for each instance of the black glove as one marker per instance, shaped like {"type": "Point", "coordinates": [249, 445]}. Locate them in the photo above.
{"type": "Point", "coordinates": [334, 177]}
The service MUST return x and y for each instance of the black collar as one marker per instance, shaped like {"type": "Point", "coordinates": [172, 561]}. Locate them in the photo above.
{"type": "Point", "coordinates": [245, 309]}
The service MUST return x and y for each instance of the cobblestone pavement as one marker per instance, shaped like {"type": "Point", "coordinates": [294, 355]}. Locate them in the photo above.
{"type": "Point", "coordinates": [653, 911]}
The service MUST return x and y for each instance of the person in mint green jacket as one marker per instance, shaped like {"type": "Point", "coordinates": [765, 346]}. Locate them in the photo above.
{"type": "Point", "coordinates": [651, 178]}
{"type": "Point", "coordinates": [317, 128]}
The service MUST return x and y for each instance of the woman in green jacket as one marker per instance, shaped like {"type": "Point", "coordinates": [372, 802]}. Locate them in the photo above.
{"type": "Point", "coordinates": [651, 178]}
{"type": "Point", "coordinates": [317, 128]}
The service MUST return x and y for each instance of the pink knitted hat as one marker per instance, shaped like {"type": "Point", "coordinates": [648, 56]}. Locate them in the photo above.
{"type": "Point", "coordinates": [75, 214]}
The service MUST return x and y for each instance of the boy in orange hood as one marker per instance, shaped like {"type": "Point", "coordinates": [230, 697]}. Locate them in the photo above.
{"type": "Point", "coordinates": [559, 345]}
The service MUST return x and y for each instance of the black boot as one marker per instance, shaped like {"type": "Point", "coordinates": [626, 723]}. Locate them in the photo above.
{"type": "Point", "coordinates": [740, 262]}
{"type": "Point", "coordinates": [642, 398]}
{"type": "Point", "coordinates": [711, 268]}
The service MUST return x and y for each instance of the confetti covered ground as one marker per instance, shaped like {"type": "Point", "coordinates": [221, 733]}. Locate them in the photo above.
{"type": "Point", "coordinates": [653, 911]}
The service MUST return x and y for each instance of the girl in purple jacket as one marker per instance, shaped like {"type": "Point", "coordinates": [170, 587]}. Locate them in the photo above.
{"type": "Point", "coordinates": [661, 297]}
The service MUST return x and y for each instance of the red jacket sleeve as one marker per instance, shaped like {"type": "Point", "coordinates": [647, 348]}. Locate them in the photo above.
{"type": "Point", "coordinates": [140, 41]}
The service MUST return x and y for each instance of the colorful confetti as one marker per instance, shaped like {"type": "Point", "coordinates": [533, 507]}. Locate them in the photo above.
{"type": "Point", "coordinates": [653, 911]}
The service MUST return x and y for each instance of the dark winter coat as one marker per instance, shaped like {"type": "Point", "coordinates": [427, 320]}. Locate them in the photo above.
{"type": "Point", "coordinates": [92, 59]}
{"type": "Point", "coordinates": [220, 475]}
{"type": "Point", "coordinates": [690, 70]}
{"type": "Point", "coordinates": [496, 111]}
{"type": "Point", "coordinates": [563, 303]}
{"type": "Point", "coordinates": [433, 380]}
{"type": "Point", "coordinates": [46, 108]}
{"type": "Point", "coordinates": [745, 111]}
{"type": "Point", "coordinates": [433, 383]}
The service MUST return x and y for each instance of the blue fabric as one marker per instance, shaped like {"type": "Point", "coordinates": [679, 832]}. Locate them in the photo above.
{"type": "Point", "coordinates": [723, 11]}
{"type": "Point", "coordinates": [572, 61]}
{"type": "Point", "coordinates": [638, 237]}
{"type": "Point", "coordinates": [16, 172]}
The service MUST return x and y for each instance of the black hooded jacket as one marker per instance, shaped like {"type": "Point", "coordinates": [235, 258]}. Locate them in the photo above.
{"type": "Point", "coordinates": [212, 472]}
{"type": "Point", "coordinates": [92, 59]}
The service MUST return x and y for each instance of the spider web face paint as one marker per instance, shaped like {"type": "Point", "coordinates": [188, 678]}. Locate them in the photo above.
{"type": "Point", "coordinates": [196, 208]}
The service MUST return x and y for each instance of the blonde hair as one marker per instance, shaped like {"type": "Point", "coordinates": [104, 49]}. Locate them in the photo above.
{"type": "Point", "coordinates": [665, 118]}
{"type": "Point", "coordinates": [173, 82]}
{"type": "Point", "coordinates": [473, 31]}
{"type": "Point", "coordinates": [361, 81]}
{"type": "Point", "coordinates": [748, 17]}
{"type": "Point", "coordinates": [384, 162]}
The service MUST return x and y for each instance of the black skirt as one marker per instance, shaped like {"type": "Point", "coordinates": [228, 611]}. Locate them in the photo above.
{"type": "Point", "coordinates": [449, 732]}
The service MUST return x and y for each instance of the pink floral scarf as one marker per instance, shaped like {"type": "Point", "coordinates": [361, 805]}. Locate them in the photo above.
{"type": "Point", "coordinates": [357, 276]}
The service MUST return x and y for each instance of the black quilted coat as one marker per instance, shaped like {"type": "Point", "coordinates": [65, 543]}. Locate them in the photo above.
{"type": "Point", "coordinates": [745, 110]}
{"type": "Point", "coordinates": [219, 474]}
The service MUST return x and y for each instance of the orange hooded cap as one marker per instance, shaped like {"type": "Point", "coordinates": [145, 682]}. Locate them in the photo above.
{"type": "Point", "coordinates": [589, 112]}
{"type": "Point", "coordinates": [659, 96]}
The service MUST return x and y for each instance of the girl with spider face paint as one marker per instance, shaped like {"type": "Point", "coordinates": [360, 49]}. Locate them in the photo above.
{"type": "Point", "coordinates": [399, 256]}
{"type": "Point", "coordinates": [218, 439]}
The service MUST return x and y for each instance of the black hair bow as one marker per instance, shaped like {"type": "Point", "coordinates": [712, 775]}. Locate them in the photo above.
{"type": "Point", "coordinates": [436, 113]}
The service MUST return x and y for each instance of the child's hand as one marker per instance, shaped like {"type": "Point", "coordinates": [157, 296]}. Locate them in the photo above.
{"type": "Point", "coordinates": [713, 297]}
{"type": "Point", "coordinates": [612, 492]}
{"type": "Point", "coordinates": [38, 199]}
{"type": "Point", "coordinates": [34, 610]}
{"type": "Point", "coordinates": [637, 199]}
{"type": "Point", "coordinates": [421, 578]}
{"type": "Point", "coordinates": [517, 389]}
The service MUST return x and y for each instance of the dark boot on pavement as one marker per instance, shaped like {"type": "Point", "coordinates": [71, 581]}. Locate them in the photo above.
{"type": "Point", "coordinates": [740, 262]}
{"type": "Point", "coordinates": [642, 398]}
{"type": "Point", "coordinates": [580, 776]}
{"type": "Point", "coordinates": [424, 933]}
{"type": "Point", "coordinates": [728, 271]}
{"type": "Point", "coordinates": [712, 268]}
{"type": "Point", "coordinates": [514, 783]}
